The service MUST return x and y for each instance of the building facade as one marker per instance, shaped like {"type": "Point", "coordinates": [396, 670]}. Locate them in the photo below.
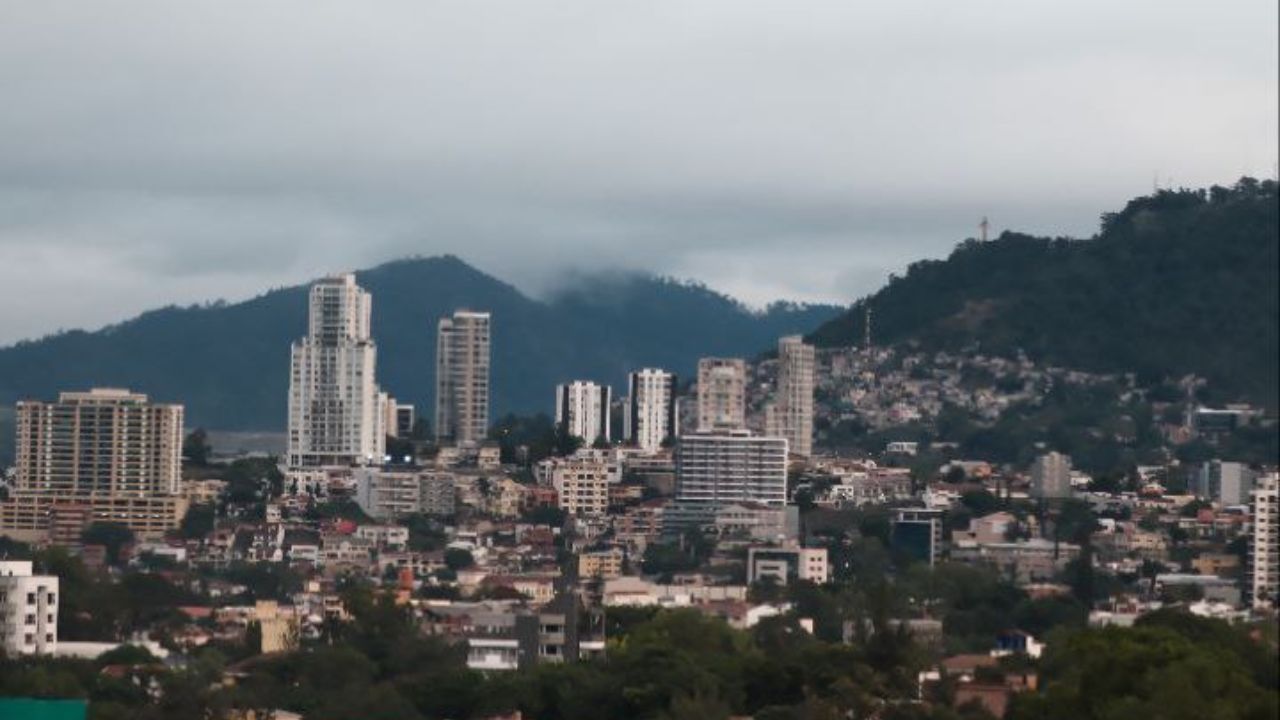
{"type": "Point", "coordinates": [1226, 483]}
{"type": "Point", "coordinates": [28, 610]}
{"type": "Point", "coordinates": [463, 347]}
{"type": "Point", "coordinates": [337, 415]}
{"type": "Point", "coordinates": [1263, 580]}
{"type": "Point", "coordinates": [787, 563]}
{"type": "Point", "coordinates": [582, 410]}
{"type": "Point", "coordinates": [918, 531]}
{"type": "Point", "coordinates": [713, 469]}
{"type": "Point", "coordinates": [722, 390]}
{"type": "Point", "coordinates": [582, 486]}
{"type": "Point", "coordinates": [651, 416]}
{"type": "Point", "coordinates": [110, 454]}
{"type": "Point", "coordinates": [1051, 476]}
{"type": "Point", "coordinates": [791, 413]}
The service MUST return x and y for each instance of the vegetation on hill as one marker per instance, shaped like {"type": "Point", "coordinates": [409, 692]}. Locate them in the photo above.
{"type": "Point", "coordinates": [1178, 282]}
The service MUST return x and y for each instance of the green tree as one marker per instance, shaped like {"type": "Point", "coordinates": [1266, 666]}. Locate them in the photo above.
{"type": "Point", "coordinates": [111, 535]}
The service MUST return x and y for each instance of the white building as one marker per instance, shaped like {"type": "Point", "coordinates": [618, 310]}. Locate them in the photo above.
{"type": "Point", "coordinates": [651, 416]}
{"type": "Point", "coordinates": [462, 378]}
{"type": "Point", "coordinates": [1051, 476]}
{"type": "Point", "coordinates": [722, 387]}
{"type": "Point", "coordinates": [337, 416]}
{"type": "Point", "coordinates": [718, 468]}
{"type": "Point", "coordinates": [28, 610]}
{"type": "Point", "coordinates": [787, 563]}
{"type": "Point", "coordinates": [1264, 544]}
{"type": "Point", "coordinates": [582, 410]}
{"type": "Point", "coordinates": [791, 413]}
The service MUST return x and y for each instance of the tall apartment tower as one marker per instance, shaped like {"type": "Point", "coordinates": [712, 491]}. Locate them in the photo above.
{"type": "Point", "coordinates": [582, 410]}
{"type": "Point", "coordinates": [722, 390]}
{"type": "Point", "coordinates": [1264, 544]}
{"type": "Point", "coordinates": [1051, 476]}
{"type": "Point", "coordinates": [337, 415]}
{"type": "Point", "coordinates": [791, 414]}
{"type": "Point", "coordinates": [109, 453]}
{"type": "Point", "coordinates": [651, 416]}
{"type": "Point", "coordinates": [462, 378]}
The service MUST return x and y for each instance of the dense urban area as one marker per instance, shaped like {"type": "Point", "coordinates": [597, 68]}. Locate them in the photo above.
{"type": "Point", "coordinates": [854, 532]}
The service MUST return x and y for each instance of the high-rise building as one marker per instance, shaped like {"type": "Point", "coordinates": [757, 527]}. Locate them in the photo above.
{"type": "Point", "coordinates": [722, 388]}
{"type": "Point", "coordinates": [791, 414]}
{"type": "Point", "coordinates": [582, 410]}
{"type": "Point", "coordinates": [1051, 476]}
{"type": "Point", "coordinates": [1227, 483]}
{"type": "Point", "coordinates": [651, 408]}
{"type": "Point", "coordinates": [462, 378]}
{"type": "Point", "coordinates": [713, 469]}
{"type": "Point", "coordinates": [1264, 544]}
{"type": "Point", "coordinates": [28, 610]}
{"type": "Point", "coordinates": [337, 416]}
{"type": "Point", "coordinates": [108, 450]}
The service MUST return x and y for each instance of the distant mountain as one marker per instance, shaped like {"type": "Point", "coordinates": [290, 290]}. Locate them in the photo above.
{"type": "Point", "coordinates": [1177, 282]}
{"type": "Point", "coordinates": [228, 363]}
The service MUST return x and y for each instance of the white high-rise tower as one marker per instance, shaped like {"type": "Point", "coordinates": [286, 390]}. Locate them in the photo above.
{"type": "Point", "coordinates": [651, 416]}
{"type": "Point", "coordinates": [582, 410]}
{"type": "Point", "coordinates": [336, 412]}
{"type": "Point", "coordinates": [462, 378]}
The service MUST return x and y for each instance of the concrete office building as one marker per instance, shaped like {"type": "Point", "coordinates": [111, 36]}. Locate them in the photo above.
{"type": "Point", "coordinates": [1226, 483]}
{"type": "Point", "coordinates": [582, 410]}
{"type": "Point", "coordinates": [388, 493]}
{"type": "Point", "coordinates": [790, 415]}
{"type": "Point", "coordinates": [918, 531]}
{"type": "Point", "coordinates": [714, 469]}
{"type": "Point", "coordinates": [1051, 476]}
{"type": "Point", "coordinates": [337, 415]}
{"type": "Point", "coordinates": [463, 349]}
{"type": "Point", "coordinates": [650, 417]}
{"type": "Point", "coordinates": [787, 564]}
{"type": "Point", "coordinates": [28, 610]}
{"type": "Point", "coordinates": [1263, 581]}
{"type": "Point", "coordinates": [722, 389]}
{"type": "Point", "coordinates": [112, 454]}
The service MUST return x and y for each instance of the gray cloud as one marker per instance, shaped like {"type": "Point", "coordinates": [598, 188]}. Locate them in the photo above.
{"type": "Point", "coordinates": [153, 152]}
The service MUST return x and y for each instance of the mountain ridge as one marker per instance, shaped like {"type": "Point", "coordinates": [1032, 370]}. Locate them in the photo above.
{"type": "Point", "coordinates": [228, 361]}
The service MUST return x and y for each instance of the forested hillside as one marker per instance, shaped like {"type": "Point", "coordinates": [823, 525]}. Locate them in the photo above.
{"type": "Point", "coordinates": [1178, 282]}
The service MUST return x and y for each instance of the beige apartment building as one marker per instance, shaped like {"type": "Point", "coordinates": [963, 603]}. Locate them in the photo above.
{"type": "Point", "coordinates": [791, 413]}
{"type": "Point", "coordinates": [462, 378]}
{"type": "Point", "coordinates": [722, 390]}
{"type": "Point", "coordinates": [582, 486]}
{"type": "Point", "coordinates": [110, 451]}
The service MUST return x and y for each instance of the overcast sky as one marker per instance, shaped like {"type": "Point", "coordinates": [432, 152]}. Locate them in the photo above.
{"type": "Point", "coordinates": [158, 152]}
